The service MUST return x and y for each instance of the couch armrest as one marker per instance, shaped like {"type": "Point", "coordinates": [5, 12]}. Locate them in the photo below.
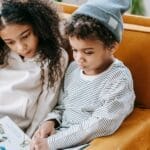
{"type": "Point", "coordinates": [134, 133]}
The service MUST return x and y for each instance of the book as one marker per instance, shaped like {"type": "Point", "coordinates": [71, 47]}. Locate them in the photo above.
{"type": "Point", "coordinates": [12, 137]}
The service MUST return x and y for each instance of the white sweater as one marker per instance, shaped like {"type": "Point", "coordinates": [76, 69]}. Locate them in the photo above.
{"type": "Point", "coordinates": [20, 87]}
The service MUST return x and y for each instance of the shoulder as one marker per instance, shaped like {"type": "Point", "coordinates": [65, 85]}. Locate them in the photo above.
{"type": "Point", "coordinates": [118, 72]}
{"type": "Point", "coordinates": [64, 54]}
{"type": "Point", "coordinates": [64, 58]}
{"type": "Point", "coordinates": [72, 67]}
{"type": "Point", "coordinates": [71, 74]}
{"type": "Point", "coordinates": [118, 67]}
{"type": "Point", "coordinates": [72, 71]}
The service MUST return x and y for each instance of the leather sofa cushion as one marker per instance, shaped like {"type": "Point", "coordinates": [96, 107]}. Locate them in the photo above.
{"type": "Point", "coordinates": [134, 51]}
{"type": "Point", "coordinates": [134, 133]}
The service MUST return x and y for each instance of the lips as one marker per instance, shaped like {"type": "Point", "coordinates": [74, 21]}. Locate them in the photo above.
{"type": "Point", "coordinates": [27, 54]}
{"type": "Point", "coordinates": [81, 65]}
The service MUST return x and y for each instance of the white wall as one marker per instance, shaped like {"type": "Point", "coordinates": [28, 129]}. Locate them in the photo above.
{"type": "Point", "coordinates": [147, 7]}
{"type": "Point", "coordinates": [77, 2]}
{"type": "Point", "coordinates": [145, 2]}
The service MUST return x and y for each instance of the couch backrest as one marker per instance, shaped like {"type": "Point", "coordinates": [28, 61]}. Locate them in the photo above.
{"type": "Point", "coordinates": [134, 51]}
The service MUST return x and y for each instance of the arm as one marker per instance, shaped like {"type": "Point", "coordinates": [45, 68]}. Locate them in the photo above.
{"type": "Point", "coordinates": [47, 128]}
{"type": "Point", "coordinates": [47, 101]}
{"type": "Point", "coordinates": [56, 114]}
{"type": "Point", "coordinates": [117, 102]}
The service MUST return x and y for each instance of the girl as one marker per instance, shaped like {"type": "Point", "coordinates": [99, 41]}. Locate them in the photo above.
{"type": "Point", "coordinates": [97, 93]}
{"type": "Point", "coordinates": [31, 61]}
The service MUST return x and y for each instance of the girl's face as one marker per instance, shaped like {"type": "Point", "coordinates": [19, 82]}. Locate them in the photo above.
{"type": "Point", "coordinates": [91, 55]}
{"type": "Point", "coordinates": [20, 39]}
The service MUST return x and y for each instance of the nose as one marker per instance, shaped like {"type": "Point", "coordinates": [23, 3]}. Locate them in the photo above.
{"type": "Point", "coordinates": [20, 47]}
{"type": "Point", "coordinates": [79, 57]}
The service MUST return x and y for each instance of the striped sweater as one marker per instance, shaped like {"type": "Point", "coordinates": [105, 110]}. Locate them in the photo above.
{"type": "Point", "coordinates": [91, 106]}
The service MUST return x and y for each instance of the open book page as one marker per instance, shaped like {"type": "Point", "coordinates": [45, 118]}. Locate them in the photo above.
{"type": "Point", "coordinates": [81, 147]}
{"type": "Point", "coordinates": [11, 136]}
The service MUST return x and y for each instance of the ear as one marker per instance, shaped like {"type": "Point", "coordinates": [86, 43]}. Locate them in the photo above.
{"type": "Point", "coordinates": [114, 47]}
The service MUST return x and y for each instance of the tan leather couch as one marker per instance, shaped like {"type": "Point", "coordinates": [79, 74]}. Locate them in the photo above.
{"type": "Point", "coordinates": [134, 51]}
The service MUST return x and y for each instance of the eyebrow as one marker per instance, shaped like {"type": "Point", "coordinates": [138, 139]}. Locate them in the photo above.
{"type": "Point", "coordinates": [25, 31]}
{"type": "Point", "coordinates": [19, 34]}
{"type": "Point", "coordinates": [89, 48]}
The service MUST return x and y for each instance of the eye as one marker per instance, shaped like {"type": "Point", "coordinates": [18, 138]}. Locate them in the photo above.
{"type": "Point", "coordinates": [88, 52]}
{"type": "Point", "coordinates": [10, 43]}
{"type": "Point", "coordinates": [26, 36]}
{"type": "Point", "coordinates": [74, 50]}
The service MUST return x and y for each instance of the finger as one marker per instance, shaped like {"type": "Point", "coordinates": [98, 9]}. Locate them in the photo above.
{"type": "Point", "coordinates": [44, 134]}
{"type": "Point", "coordinates": [38, 144]}
{"type": "Point", "coordinates": [42, 145]}
{"type": "Point", "coordinates": [36, 147]}
{"type": "Point", "coordinates": [36, 135]}
{"type": "Point", "coordinates": [32, 146]}
{"type": "Point", "coordinates": [53, 132]}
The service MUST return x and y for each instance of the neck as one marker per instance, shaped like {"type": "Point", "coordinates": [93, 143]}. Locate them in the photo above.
{"type": "Point", "coordinates": [102, 68]}
{"type": "Point", "coordinates": [106, 65]}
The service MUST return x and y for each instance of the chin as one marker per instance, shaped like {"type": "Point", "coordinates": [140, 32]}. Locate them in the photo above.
{"type": "Point", "coordinates": [29, 55]}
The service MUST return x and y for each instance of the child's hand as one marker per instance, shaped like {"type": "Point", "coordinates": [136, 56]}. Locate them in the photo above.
{"type": "Point", "coordinates": [39, 144]}
{"type": "Point", "coordinates": [45, 130]}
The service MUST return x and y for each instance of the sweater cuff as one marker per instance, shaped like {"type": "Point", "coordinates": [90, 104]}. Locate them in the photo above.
{"type": "Point", "coordinates": [53, 116]}
{"type": "Point", "coordinates": [51, 143]}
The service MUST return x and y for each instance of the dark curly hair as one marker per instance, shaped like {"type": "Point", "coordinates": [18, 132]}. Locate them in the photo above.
{"type": "Point", "coordinates": [44, 19]}
{"type": "Point", "coordinates": [86, 27]}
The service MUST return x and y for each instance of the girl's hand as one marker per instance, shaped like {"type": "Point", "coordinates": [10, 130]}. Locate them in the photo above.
{"type": "Point", "coordinates": [45, 130]}
{"type": "Point", "coordinates": [39, 144]}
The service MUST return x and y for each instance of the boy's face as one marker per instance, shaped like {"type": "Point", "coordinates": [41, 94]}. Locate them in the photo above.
{"type": "Point", "coordinates": [20, 39]}
{"type": "Point", "coordinates": [91, 55]}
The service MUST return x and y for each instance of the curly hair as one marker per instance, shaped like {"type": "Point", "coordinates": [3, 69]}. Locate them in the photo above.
{"type": "Point", "coordinates": [44, 19]}
{"type": "Point", "coordinates": [86, 27]}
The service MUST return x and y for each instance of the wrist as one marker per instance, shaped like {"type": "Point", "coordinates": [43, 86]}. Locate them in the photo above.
{"type": "Point", "coordinates": [55, 123]}
{"type": "Point", "coordinates": [51, 122]}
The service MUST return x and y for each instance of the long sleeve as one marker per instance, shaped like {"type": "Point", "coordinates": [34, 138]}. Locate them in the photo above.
{"type": "Point", "coordinates": [117, 102]}
{"type": "Point", "coordinates": [57, 111]}
{"type": "Point", "coordinates": [48, 99]}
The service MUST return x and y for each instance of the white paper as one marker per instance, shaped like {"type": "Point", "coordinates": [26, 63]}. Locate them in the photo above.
{"type": "Point", "coordinates": [81, 147]}
{"type": "Point", "coordinates": [11, 136]}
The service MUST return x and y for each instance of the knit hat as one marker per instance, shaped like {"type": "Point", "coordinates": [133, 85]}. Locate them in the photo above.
{"type": "Point", "coordinates": [108, 12]}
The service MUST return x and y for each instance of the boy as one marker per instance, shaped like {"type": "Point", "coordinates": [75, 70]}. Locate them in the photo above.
{"type": "Point", "coordinates": [97, 93]}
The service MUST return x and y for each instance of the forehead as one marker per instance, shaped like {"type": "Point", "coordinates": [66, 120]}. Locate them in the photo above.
{"type": "Point", "coordinates": [11, 31]}
{"type": "Point", "coordinates": [83, 43]}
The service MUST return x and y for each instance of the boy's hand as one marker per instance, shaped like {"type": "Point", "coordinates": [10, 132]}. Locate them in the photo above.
{"type": "Point", "coordinates": [45, 130]}
{"type": "Point", "coordinates": [39, 144]}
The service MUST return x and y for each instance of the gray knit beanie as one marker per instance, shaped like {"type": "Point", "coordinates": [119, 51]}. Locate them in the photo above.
{"type": "Point", "coordinates": [108, 12]}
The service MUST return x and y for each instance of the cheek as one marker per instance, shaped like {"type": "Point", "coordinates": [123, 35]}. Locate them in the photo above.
{"type": "Point", "coordinates": [74, 55]}
{"type": "Point", "coordinates": [11, 47]}
{"type": "Point", "coordinates": [34, 43]}
{"type": "Point", "coordinates": [97, 60]}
